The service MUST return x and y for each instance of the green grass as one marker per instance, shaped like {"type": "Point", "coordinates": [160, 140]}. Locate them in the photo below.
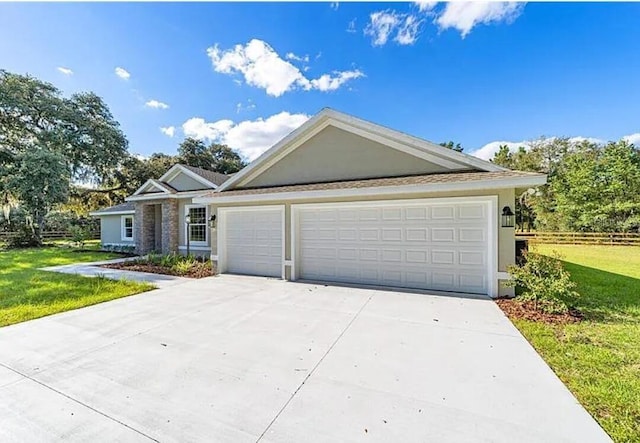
{"type": "Point", "coordinates": [27, 293]}
{"type": "Point", "coordinates": [599, 358]}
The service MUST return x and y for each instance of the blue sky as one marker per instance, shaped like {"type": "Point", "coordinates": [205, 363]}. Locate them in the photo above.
{"type": "Point", "coordinates": [246, 74]}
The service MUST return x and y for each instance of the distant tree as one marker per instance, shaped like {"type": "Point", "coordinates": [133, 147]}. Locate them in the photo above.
{"type": "Point", "coordinates": [453, 146]}
{"type": "Point", "coordinates": [215, 157]}
{"type": "Point", "coordinates": [77, 135]}
{"type": "Point", "coordinates": [40, 181]}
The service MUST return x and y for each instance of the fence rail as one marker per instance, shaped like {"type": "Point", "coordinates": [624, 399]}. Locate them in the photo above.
{"type": "Point", "coordinates": [52, 235]}
{"type": "Point", "coordinates": [582, 238]}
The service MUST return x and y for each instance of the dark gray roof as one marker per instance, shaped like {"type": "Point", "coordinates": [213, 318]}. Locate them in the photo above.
{"type": "Point", "coordinates": [214, 177]}
{"type": "Point", "coordinates": [128, 206]}
{"type": "Point", "coordinates": [425, 179]}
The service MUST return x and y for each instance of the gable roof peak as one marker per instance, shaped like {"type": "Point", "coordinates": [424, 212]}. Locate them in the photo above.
{"type": "Point", "coordinates": [395, 139]}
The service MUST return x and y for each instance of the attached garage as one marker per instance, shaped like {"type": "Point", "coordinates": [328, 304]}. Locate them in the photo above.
{"type": "Point", "coordinates": [251, 240]}
{"type": "Point", "coordinates": [344, 200]}
{"type": "Point", "coordinates": [441, 244]}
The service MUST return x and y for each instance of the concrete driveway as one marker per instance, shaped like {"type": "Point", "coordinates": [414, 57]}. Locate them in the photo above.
{"type": "Point", "coordinates": [234, 359]}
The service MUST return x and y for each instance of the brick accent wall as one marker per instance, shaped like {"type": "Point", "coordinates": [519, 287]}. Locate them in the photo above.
{"type": "Point", "coordinates": [144, 227]}
{"type": "Point", "coordinates": [170, 226]}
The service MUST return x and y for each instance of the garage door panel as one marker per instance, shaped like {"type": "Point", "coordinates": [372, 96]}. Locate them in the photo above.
{"type": "Point", "coordinates": [253, 241]}
{"type": "Point", "coordinates": [427, 246]}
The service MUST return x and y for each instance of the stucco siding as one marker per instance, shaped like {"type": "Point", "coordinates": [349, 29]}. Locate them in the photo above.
{"type": "Point", "coordinates": [183, 182]}
{"type": "Point", "coordinates": [506, 236]}
{"type": "Point", "coordinates": [335, 154]}
{"type": "Point", "coordinates": [111, 230]}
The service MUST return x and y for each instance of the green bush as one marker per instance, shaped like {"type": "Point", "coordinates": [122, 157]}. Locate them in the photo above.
{"type": "Point", "coordinates": [23, 238]}
{"type": "Point", "coordinates": [79, 235]}
{"type": "Point", "coordinates": [544, 281]}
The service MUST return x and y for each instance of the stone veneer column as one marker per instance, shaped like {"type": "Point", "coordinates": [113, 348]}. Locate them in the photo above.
{"type": "Point", "coordinates": [170, 226]}
{"type": "Point", "coordinates": [144, 228]}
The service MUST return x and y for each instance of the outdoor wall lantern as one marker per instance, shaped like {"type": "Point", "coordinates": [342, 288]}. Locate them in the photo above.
{"type": "Point", "coordinates": [187, 221]}
{"type": "Point", "coordinates": [212, 221]}
{"type": "Point", "coordinates": [507, 217]}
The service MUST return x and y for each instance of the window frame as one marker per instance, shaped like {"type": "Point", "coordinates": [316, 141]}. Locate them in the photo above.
{"type": "Point", "coordinates": [123, 227]}
{"type": "Point", "coordinates": [187, 209]}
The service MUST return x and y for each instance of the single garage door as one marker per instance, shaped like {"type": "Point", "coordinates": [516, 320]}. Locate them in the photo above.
{"type": "Point", "coordinates": [425, 244]}
{"type": "Point", "coordinates": [251, 240]}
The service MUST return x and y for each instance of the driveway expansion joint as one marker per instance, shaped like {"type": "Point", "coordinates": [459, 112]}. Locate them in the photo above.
{"type": "Point", "coordinates": [311, 372]}
{"type": "Point", "coordinates": [75, 400]}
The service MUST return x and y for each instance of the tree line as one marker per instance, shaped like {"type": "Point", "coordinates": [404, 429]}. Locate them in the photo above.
{"type": "Point", "coordinates": [591, 187]}
{"type": "Point", "coordinates": [62, 157]}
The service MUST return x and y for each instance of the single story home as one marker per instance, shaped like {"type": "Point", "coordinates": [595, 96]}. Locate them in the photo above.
{"type": "Point", "coordinates": [344, 200]}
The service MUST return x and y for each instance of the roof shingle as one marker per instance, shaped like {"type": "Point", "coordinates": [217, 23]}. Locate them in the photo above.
{"type": "Point", "coordinates": [425, 179]}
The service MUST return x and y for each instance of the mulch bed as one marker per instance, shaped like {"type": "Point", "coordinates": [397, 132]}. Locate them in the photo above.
{"type": "Point", "coordinates": [205, 270]}
{"type": "Point", "coordinates": [517, 310]}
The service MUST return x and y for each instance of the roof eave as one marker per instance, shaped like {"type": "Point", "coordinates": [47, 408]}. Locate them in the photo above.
{"type": "Point", "coordinates": [379, 191]}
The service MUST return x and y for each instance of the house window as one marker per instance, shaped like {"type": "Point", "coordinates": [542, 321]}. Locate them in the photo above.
{"type": "Point", "coordinates": [197, 229]}
{"type": "Point", "coordinates": [126, 223]}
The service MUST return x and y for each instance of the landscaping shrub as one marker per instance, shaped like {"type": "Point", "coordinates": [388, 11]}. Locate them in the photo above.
{"type": "Point", "coordinates": [23, 238]}
{"type": "Point", "coordinates": [79, 235]}
{"type": "Point", "coordinates": [544, 282]}
{"type": "Point", "coordinates": [122, 249]}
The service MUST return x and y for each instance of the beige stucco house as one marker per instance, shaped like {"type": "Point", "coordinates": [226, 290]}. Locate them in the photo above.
{"type": "Point", "coordinates": [344, 200]}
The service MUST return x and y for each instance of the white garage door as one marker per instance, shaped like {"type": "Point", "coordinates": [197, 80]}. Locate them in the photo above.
{"type": "Point", "coordinates": [424, 244]}
{"type": "Point", "coordinates": [251, 240]}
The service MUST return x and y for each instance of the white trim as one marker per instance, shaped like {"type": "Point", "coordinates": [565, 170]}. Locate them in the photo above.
{"type": "Point", "coordinates": [102, 214]}
{"type": "Point", "coordinates": [178, 168]}
{"type": "Point", "coordinates": [206, 225]}
{"type": "Point", "coordinates": [194, 248]}
{"type": "Point", "coordinates": [123, 228]}
{"type": "Point", "coordinates": [394, 139]}
{"type": "Point", "coordinates": [379, 191]}
{"type": "Point", "coordinates": [154, 183]}
{"type": "Point", "coordinates": [162, 196]}
{"type": "Point", "coordinates": [222, 225]}
{"type": "Point", "coordinates": [491, 202]}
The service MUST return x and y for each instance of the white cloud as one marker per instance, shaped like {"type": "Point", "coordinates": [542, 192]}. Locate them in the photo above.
{"type": "Point", "coordinates": [248, 107]}
{"type": "Point", "coordinates": [487, 151]}
{"type": "Point", "coordinates": [383, 24]}
{"type": "Point", "coordinates": [633, 138]}
{"type": "Point", "coordinates": [65, 71]}
{"type": "Point", "coordinates": [328, 82]}
{"type": "Point", "coordinates": [463, 16]}
{"type": "Point", "coordinates": [250, 137]}
{"type": "Point", "coordinates": [408, 31]}
{"type": "Point", "coordinates": [155, 104]}
{"type": "Point", "coordinates": [122, 73]}
{"type": "Point", "coordinates": [425, 6]}
{"type": "Point", "coordinates": [169, 131]}
{"type": "Point", "coordinates": [263, 68]}
{"type": "Point", "coordinates": [351, 28]}
{"type": "Point", "coordinates": [298, 58]}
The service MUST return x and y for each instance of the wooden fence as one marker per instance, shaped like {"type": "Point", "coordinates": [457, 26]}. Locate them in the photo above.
{"type": "Point", "coordinates": [582, 238]}
{"type": "Point", "coordinates": [52, 235]}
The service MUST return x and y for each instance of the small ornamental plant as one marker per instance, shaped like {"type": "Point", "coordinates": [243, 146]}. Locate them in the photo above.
{"type": "Point", "coordinates": [543, 281]}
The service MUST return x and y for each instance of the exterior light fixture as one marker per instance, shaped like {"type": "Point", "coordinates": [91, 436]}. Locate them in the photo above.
{"type": "Point", "coordinates": [212, 221]}
{"type": "Point", "coordinates": [187, 221]}
{"type": "Point", "coordinates": [507, 217]}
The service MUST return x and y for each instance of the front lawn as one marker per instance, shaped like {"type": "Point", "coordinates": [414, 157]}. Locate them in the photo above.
{"type": "Point", "coordinates": [599, 358]}
{"type": "Point", "coordinates": [27, 293]}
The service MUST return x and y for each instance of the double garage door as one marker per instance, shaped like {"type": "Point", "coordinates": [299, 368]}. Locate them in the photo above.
{"type": "Point", "coordinates": [425, 244]}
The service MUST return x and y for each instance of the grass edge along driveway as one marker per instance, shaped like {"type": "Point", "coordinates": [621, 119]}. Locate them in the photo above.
{"type": "Point", "coordinates": [599, 358]}
{"type": "Point", "coordinates": [27, 293]}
